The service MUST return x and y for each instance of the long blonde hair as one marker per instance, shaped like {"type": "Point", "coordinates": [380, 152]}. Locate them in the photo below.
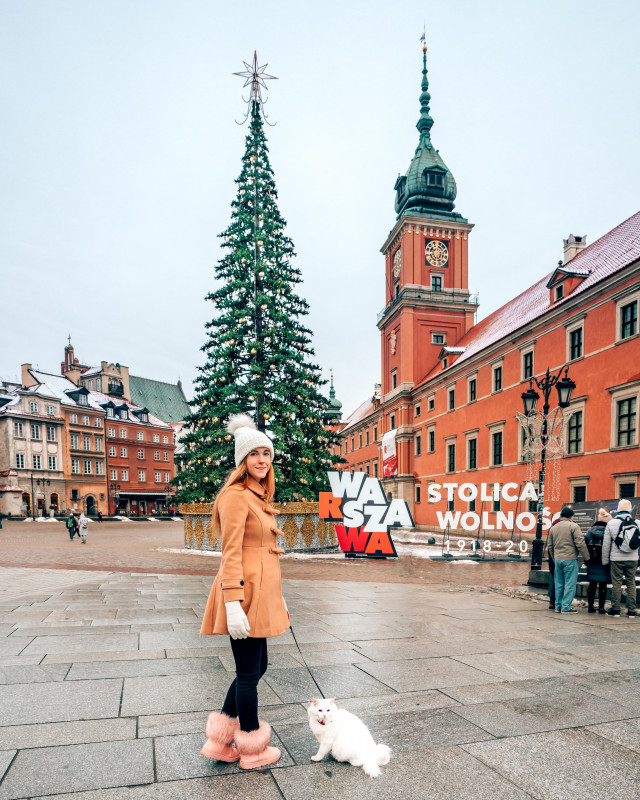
{"type": "Point", "coordinates": [241, 475]}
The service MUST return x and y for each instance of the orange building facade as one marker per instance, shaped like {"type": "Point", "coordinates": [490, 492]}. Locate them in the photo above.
{"type": "Point", "coordinates": [450, 387]}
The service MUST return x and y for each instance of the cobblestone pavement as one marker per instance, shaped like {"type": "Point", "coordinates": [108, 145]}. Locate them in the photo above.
{"type": "Point", "coordinates": [145, 546]}
{"type": "Point", "coordinates": [105, 685]}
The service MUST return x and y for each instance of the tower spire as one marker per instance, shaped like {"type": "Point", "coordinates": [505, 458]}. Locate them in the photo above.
{"type": "Point", "coordinates": [425, 123]}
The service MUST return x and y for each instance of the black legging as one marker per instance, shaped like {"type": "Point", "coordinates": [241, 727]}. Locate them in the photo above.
{"type": "Point", "coordinates": [242, 698]}
{"type": "Point", "coordinates": [602, 593]}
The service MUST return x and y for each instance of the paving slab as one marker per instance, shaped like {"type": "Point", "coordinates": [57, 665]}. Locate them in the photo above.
{"type": "Point", "coordinates": [47, 734]}
{"type": "Point", "coordinates": [139, 668]}
{"type": "Point", "coordinates": [520, 664]}
{"type": "Point", "coordinates": [25, 673]}
{"type": "Point", "coordinates": [107, 655]}
{"type": "Point", "coordinates": [297, 686]}
{"type": "Point", "coordinates": [427, 673]}
{"type": "Point", "coordinates": [451, 775]}
{"type": "Point", "coordinates": [29, 703]}
{"type": "Point", "coordinates": [625, 733]}
{"type": "Point", "coordinates": [256, 785]}
{"type": "Point", "coordinates": [51, 770]}
{"type": "Point", "coordinates": [534, 714]}
{"type": "Point", "coordinates": [169, 694]}
{"type": "Point", "coordinates": [395, 703]}
{"type": "Point", "coordinates": [563, 765]}
{"type": "Point", "coordinates": [486, 693]}
{"type": "Point", "coordinates": [79, 642]}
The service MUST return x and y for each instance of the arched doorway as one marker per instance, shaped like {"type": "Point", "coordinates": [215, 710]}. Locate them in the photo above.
{"type": "Point", "coordinates": [26, 503]}
{"type": "Point", "coordinates": [91, 505]}
{"type": "Point", "coordinates": [55, 502]}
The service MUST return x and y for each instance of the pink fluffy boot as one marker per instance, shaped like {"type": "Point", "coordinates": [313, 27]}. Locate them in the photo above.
{"type": "Point", "coordinates": [254, 747]}
{"type": "Point", "coordinates": [221, 730]}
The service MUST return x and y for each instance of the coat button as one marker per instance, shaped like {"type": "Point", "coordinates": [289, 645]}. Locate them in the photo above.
{"type": "Point", "coordinates": [241, 583]}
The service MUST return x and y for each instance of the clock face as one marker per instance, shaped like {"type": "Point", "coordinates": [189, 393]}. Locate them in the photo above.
{"type": "Point", "coordinates": [397, 265]}
{"type": "Point", "coordinates": [436, 254]}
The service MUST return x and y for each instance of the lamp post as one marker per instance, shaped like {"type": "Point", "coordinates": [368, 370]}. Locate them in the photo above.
{"type": "Point", "coordinates": [167, 491]}
{"type": "Point", "coordinates": [44, 495]}
{"type": "Point", "coordinates": [565, 387]}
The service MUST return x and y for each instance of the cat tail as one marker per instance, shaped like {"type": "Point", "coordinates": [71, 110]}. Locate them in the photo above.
{"type": "Point", "coordinates": [383, 754]}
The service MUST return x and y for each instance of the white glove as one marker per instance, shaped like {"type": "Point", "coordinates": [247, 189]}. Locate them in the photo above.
{"type": "Point", "coordinates": [237, 622]}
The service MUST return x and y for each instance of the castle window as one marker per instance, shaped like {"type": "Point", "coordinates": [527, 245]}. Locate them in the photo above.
{"type": "Point", "coordinates": [473, 390]}
{"type": "Point", "coordinates": [559, 291]}
{"type": "Point", "coordinates": [435, 179]}
{"type": "Point", "coordinates": [437, 338]}
{"type": "Point", "coordinates": [472, 446]}
{"type": "Point", "coordinates": [451, 458]}
{"type": "Point", "coordinates": [394, 379]}
{"type": "Point", "coordinates": [575, 433]}
{"type": "Point", "coordinates": [436, 283]}
{"type": "Point", "coordinates": [452, 399]}
{"type": "Point", "coordinates": [527, 365]}
{"type": "Point", "coordinates": [497, 379]}
{"type": "Point", "coordinates": [629, 320]}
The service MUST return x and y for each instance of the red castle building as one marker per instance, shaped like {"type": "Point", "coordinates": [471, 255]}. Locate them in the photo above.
{"type": "Point", "coordinates": [445, 411]}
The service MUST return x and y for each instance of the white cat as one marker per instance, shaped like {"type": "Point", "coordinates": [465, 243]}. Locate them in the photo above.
{"type": "Point", "coordinates": [347, 738]}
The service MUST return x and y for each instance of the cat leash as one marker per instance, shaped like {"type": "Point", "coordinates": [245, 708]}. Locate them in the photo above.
{"type": "Point", "coordinates": [305, 663]}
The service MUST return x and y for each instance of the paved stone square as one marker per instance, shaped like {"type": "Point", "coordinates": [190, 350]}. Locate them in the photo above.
{"type": "Point", "coordinates": [105, 686]}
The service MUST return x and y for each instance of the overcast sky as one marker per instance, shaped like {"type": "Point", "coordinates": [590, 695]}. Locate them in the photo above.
{"type": "Point", "coordinates": [119, 147]}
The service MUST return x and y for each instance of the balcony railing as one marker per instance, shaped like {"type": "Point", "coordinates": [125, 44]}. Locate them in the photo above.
{"type": "Point", "coordinates": [443, 296]}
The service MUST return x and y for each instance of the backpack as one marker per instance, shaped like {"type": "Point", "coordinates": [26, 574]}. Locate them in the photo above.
{"type": "Point", "coordinates": [70, 523]}
{"type": "Point", "coordinates": [628, 537]}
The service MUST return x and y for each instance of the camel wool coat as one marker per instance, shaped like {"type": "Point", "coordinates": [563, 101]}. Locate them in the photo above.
{"type": "Point", "coordinates": [250, 566]}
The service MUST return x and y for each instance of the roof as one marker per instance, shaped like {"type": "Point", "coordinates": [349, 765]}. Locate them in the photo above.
{"type": "Point", "coordinates": [612, 252]}
{"type": "Point", "coordinates": [359, 414]}
{"type": "Point", "coordinates": [165, 400]}
{"type": "Point", "coordinates": [57, 386]}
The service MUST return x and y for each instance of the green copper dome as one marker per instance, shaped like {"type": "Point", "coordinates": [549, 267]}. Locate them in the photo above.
{"type": "Point", "coordinates": [428, 189]}
{"type": "Point", "coordinates": [334, 413]}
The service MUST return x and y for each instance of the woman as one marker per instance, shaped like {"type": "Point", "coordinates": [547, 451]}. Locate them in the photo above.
{"type": "Point", "coordinates": [597, 573]}
{"type": "Point", "coordinates": [246, 597]}
{"type": "Point", "coordinates": [83, 527]}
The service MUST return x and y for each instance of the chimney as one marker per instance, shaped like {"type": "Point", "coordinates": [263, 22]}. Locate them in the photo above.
{"type": "Point", "coordinates": [27, 378]}
{"type": "Point", "coordinates": [572, 246]}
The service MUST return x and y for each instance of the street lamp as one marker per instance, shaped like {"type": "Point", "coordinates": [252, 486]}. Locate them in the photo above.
{"type": "Point", "coordinates": [564, 386]}
{"type": "Point", "coordinates": [167, 491]}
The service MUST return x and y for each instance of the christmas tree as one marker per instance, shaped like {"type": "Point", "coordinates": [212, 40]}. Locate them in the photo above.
{"type": "Point", "coordinates": [258, 354]}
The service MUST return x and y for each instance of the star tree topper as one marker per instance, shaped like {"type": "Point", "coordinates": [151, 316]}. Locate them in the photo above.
{"type": "Point", "coordinates": [255, 77]}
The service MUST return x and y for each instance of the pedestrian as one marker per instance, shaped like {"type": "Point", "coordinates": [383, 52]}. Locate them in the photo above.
{"type": "Point", "coordinates": [83, 527]}
{"type": "Point", "coordinates": [552, 566]}
{"type": "Point", "coordinates": [597, 572]}
{"type": "Point", "coordinates": [622, 557]}
{"type": "Point", "coordinates": [99, 516]}
{"type": "Point", "coordinates": [246, 600]}
{"type": "Point", "coordinates": [71, 525]}
{"type": "Point", "coordinates": [565, 543]}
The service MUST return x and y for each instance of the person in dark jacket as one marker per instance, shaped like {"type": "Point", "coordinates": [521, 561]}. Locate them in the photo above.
{"type": "Point", "coordinates": [597, 573]}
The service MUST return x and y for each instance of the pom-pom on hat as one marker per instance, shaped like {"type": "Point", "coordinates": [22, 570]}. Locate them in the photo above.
{"type": "Point", "coordinates": [247, 436]}
{"type": "Point", "coordinates": [603, 515]}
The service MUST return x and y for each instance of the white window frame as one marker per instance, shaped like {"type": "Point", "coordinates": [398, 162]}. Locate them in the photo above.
{"type": "Point", "coordinates": [156, 453]}
{"type": "Point", "coordinates": [52, 461]}
{"type": "Point", "coordinates": [123, 452]}
{"type": "Point", "coordinates": [73, 419]}
{"type": "Point", "coordinates": [140, 455]}
{"type": "Point", "coordinates": [431, 402]}
{"type": "Point", "coordinates": [624, 393]}
{"type": "Point", "coordinates": [158, 477]}
{"type": "Point", "coordinates": [75, 466]}
{"type": "Point", "coordinates": [33, 407]}
{"type": "Point", "coordinates": [156, 437]}
{"type": "Point", "coordinates": [18, 430]}
{"type": "Point", "coordinates": [525, 351]}
{"type": "Point", "coordinates": [19, 460]}
{"type": "Point", "coordinates": [99, 467]}
{"type": "Point", "coordinates": [496, 427]}
{"type": "Point", "coordinates": [86, 443]}
{"type": "Point", "coordinates": [165, 440]}
{"type": "Point", "coordinates": [165, 456]}
{"type": "Point", "coordinates": [167, 477]}
{"type": "Point", "coordinates": [86, 419]}
{"type": "Point", "coordinates": [51, 433]}
{"type": "Point", "coordinates": [113, 474]}
{"type": "Point", "coordinates": [571, 327]}
{"type": "Point", "coordinates": [111, 432]}
{"type": "Point", "coordinates": [112, 452]}
{"type": "Point", "coordinates": [569, 412]}
{"type": "Point", "coordinates": [438, 334]}
{"type": "Point", "coordinates": [436, 273]}
{"type": "Point", "coordinates": [87, 467]}
{"type": "Point", "coordinates": [51, 411]}
{"type": "Point", "coordinates": [35, 432]}
{"type": "Point", "coordinates": [74, 441]}
{"type": "Point", "coordinates": [470, 378]}
{"type": "Point", "coordinates": [98, 440]}
{"type": "Point", "coordinates": [628, 477]}
{"type": "Point", "coordinates": [142, 476]}
{"type": "Point", "coordinates": [625, 300]}
{"type": "Point", "coordinates": [494, 366]}
{"type": "Point", "coordinates": [97, 422]}
{"type": "Point", "coordinates": [578, 482]}
{"type": "Point", "coordinates": [469, 436]}
{"type": "Point", "coordinates": [124, 474]}
{"type": "Point", "coordinates": [123, 433]}
{"type": "Point", "coordinates": [140, 436]}
{"type": "Point", "coordinates": [431, 429]}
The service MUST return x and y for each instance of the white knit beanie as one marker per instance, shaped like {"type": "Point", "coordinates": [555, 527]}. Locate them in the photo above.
{"type": "Point", "coordinates": [247, 436]}
{"type": "Point", "coordinates": [624, 505]}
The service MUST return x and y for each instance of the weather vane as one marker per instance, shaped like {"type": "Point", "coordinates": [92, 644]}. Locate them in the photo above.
{"type": "Point", "coordinates": [255, 77]}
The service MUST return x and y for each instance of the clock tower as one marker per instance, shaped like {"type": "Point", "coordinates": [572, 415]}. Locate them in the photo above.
{"type": "Point", "coordinates": [428, 304]}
